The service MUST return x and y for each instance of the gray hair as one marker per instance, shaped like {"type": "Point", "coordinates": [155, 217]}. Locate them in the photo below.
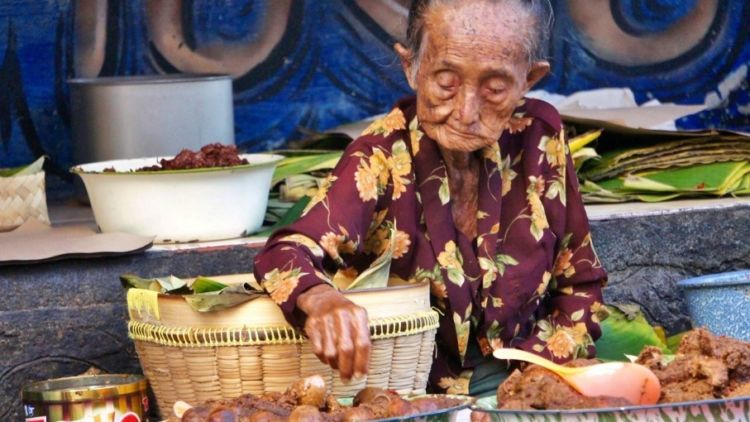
{"type": "Point", "coordinates": [536, 43]}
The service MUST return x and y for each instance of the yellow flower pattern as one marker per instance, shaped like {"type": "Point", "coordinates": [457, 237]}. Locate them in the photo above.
{"type": "Point", "coordinates": [561, 344]}
{"type": "Point", "coordinates": [458, 385]}
{"type": "Point", "coordinates": [450, 259]}
{"type": "Point", "coordinates": [305, 241]}
{"type": "Point", "coordinates": [321, 193]}
{"type": "Point", "coordinates": [518, 122]}
{"type": "Point", "coordinates": [337, 243]}
{"type": "Point", "coordinates": [394, 120]}
{"type": "Point", "coordinates": [281, 284]}
{"type": "Point", "coordinates": [538, 215]}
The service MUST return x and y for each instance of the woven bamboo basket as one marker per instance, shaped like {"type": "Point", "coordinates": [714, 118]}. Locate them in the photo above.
{"type": "Point", "coordinates": [250, 348]}
{"type": "Point", "coordinates": [21, 198]}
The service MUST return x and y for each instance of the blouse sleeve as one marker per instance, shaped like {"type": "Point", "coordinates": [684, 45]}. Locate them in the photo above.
{"type": "Point", "coordinates": [569, 325]}
{"type": "Point", "coordinates": [329, 234]}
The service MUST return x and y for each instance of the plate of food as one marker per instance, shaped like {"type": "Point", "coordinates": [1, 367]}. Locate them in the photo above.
{"type": "Point", "coordinates": [307, 400]}
{"type": "Point", "coordinates": [707, 379]}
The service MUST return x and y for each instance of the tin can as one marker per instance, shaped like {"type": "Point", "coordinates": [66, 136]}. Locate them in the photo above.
{"type": "Point", "coordinates": [91, 398]}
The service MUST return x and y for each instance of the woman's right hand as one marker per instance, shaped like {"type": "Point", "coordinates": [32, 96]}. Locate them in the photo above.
{"type": "Point", "coordinates": [337, 329]}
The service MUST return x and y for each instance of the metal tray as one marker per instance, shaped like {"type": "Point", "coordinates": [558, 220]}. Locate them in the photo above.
{"type": "Point", "coordinates": [733, 409]}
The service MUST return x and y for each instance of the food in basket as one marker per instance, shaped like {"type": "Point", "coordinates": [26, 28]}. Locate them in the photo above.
{"type": "Point", "coordinates": [705, 367]}
{"type": "Point", "coordinates": [211, 155]}
{"type": "Point", "coordinates": [306, 400]}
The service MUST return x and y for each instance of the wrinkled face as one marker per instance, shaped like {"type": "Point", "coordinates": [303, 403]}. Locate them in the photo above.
{"type": "Point", "coordinates": [473, 71]}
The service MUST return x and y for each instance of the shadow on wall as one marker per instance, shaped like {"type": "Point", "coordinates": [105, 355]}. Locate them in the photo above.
{"type": "Point", "coordinates": [303, 64]}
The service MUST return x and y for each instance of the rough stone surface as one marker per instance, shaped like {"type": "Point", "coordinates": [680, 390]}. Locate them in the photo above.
{"type": "Point", "coordinates": [647, 256]}
{"type": "Point", "coordinates": [60, 318]}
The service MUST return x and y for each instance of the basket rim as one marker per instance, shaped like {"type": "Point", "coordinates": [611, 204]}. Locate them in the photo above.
{"type": "Point", "coordinates": [249, 335]}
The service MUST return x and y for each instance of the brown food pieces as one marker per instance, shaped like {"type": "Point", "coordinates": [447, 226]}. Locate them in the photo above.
{"type": "Point", "coordinates": [537, 388]}
{"type": "Point", "coordinates": [705, 367]}
{"type": "Point", "coordinates": [306, 401]}
{"type": "Point", "coordinates": [211, 155]}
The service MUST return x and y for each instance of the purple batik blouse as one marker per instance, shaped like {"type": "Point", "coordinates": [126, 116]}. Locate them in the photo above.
{"type": "Point", "coordinates": [530, 279]}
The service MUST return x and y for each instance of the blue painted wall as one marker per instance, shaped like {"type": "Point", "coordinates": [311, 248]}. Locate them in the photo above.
{"type": "Point", "coordinates": [330, 61]}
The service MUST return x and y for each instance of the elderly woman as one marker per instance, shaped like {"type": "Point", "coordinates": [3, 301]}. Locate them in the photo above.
{"type": "Point", "coordinates": [476, 184]}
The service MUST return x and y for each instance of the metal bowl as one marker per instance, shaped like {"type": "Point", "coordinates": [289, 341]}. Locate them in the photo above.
{"type": "Point", "coordinates": [179, 205]}
{"type": "Point", "coordinates": [717, 302]}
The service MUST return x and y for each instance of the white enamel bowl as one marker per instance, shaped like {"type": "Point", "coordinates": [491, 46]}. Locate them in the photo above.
{"type": "Point", "coordinates": [179, 205]}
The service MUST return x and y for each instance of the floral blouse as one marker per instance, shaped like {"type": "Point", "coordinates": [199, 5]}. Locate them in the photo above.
{"type": "Point", "coordinates": [530, 279]}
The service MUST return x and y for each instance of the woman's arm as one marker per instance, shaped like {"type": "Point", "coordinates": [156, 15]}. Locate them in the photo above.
{"type": "Point", "coordinates": [296, 261]}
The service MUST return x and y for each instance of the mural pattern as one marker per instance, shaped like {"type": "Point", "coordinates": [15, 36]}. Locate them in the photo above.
{"type": "Point", "coordinates": [304, 65]}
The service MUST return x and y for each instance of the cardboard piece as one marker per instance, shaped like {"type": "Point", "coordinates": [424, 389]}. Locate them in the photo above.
{"type": "Point", "coordinates": [35, 241]}
{"type": "Point", "coordinates": [617, 106]}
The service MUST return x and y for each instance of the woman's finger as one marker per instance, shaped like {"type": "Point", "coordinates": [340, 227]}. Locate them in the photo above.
{"type": "Point", "coordinates": [344, 320]}
{"type": "Point", "coordinates": [329, 342]}
{"type": "Point", "coordinates": [362, 345]}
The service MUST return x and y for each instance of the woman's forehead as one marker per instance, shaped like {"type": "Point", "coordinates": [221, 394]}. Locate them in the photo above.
{"type": "Point", "coordinates": [479, 19]}
{"type": "Point", "coordinates": [499, 29]}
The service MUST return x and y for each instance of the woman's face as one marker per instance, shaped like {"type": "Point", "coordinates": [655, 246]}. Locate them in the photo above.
{"type": "Point", "coordinates": [472, 72]}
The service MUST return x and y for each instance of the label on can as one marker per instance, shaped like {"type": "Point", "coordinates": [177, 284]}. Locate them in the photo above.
{"type": "Point", "coordinates": [129, 417]}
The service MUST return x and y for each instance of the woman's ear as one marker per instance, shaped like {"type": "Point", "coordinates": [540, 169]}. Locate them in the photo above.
{"type": "Point", "coordinates": [537, 71]}
{"type": "Point", "coordinates": [407, 63]}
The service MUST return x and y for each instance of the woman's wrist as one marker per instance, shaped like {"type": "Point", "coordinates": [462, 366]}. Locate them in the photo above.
{"type": "Point", "coordinates": [311, 298]}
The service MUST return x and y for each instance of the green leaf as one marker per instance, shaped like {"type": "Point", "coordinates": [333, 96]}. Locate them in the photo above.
{"type": "Point", "coordinates": [204, 285]}
{"type": "Point", "coordinates": [231, 295]}
{"type": "Point", "coordinates": [626, 332]}
{"type": "Point", "coordinates": [169, 284]}
{"type": "Point", "coordinates": [26, 170]}
{"type": "Point", "coordinates": [292, 215]}
{"type": "Point", "coordinates": [378, 273]}
{"type": "Point", "coordinates": [305, 164]}
{"type": "Point", "coordinates": [673, 342]}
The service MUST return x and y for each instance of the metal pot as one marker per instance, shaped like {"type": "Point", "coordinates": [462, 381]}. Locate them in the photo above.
{"type": "Point", "coordinates": [147, 116]}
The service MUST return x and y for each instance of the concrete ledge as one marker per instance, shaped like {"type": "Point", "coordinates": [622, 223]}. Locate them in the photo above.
{"type": "Point", "coordinates": [59, 318]}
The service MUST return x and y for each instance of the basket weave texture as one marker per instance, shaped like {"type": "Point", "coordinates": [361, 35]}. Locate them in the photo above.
{"type": "Point", "coordinates": [21, 198]}
{"type": "Point", "coordinates": [200, 363]}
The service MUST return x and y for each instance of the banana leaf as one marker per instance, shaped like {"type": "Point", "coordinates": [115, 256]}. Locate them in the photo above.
{"type": "Point", "coordinates": [579, 142]}
{"type": "Point", "coordinates": [292, 215]}
{"type": "Point", "coordinates": [581, 156]}
{"type": "Point", "coordinates": [673, 342]}
{"type": "Point", "coordinates": [378, 273]}
{"type": "Point", "coordinates": [701, 178]}
{"type": "Point", "coordinates": [202, 294]}
{"type": "Point", "coordinates": [169, 284]}
{"type": "Point", "coordinates": [686, 159]}
{"type": "Point", "coordinates": [205, 285]}
{"type": "Point", "coordinates": [304, 164]}
{"type": "Point", "coordinates": [669, 154]}
{"type": "Point", "coordinates": [26, 170]}
{"type": "Point", "coordinates": [227, 297]}
{"type": "Point", "coordinates": [626, 332]}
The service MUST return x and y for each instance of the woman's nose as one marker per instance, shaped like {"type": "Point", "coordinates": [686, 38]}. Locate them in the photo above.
{"type": "Point", "coordinates": [467, 106]}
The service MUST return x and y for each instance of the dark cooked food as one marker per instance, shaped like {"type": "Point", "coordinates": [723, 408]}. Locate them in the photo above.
{"type": "Point", "coordinates": [211, 155]}
{"type": "Point", "coordinates": [306, 401]}
{"type": "Point", "coordinates": [705, 367]}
